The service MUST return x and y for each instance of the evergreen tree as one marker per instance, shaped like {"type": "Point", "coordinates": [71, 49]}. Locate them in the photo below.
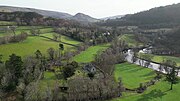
{"type": "Point", "coordinates": [14, 67]}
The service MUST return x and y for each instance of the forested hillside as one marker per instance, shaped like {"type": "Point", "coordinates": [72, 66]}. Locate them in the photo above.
{"type": "Point", "coordinates": [32, 18]}
{"type": "Point", "coordinates": [45, 13]}
{"type": "Point", "coordinates": [166, 16]}
{"type": "Point", "coordinates": [83, 18]}
{"type": "Point", "coordinates": [168, 42]}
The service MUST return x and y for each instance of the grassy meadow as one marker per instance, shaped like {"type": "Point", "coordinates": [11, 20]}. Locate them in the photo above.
{"type": "Point", "coordinates": [132, 75]}
{"type": "Point", "coordinates": [4, 23]}
{"type": "Point", "coordinates": [63, 38]}
{"type": "Point", "coordinates": [130, 40]}
{"type": "Point", "coordinates": [159, 58]}
{"type": "Point", "coordinates": [88, 55]}
{"type": "Point", "coordinates": [25, 29]}
{"type": "Point", "coordinates": [29, 46]}
{"type": "Point", "coordinates": [33, 43]}
{"type": "Point", "coordinates": [158, 92]}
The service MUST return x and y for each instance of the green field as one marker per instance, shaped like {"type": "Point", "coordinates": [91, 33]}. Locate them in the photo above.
{"type": "Point", "coordinates": [88, 55]}
{"type": "Point", "coordinates": [158, 92]}
{"type": "Point", "coordinates": [130, 40]}
{"type": "Point", "coordinates": [25, 29]}
{"type": "Point", "coordinates": [3, 23]}
{"type": "Point", "coordinates": [29, 46]}
{"type": "Point", "coordinates": [159, 59]}
{"type": "Point", "coordinates": [29, 27]}
{"type": "Point", "coordinates": [46, 30]}
{"type": "Point", "coordinates": [132, 75]}
{"type": "Point", "coordinates": [48, 83]}
{"type": "Point", "coordinates": [49, 79]}
{"type": "Point", "coordinates": [63, 38]}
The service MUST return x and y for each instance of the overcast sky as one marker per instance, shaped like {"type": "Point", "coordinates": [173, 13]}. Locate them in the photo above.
{"type": "Point", "coordinates": [94, 8]}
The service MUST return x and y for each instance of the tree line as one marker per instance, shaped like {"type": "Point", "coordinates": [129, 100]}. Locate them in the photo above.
{"type": "Point", "coordinates": [32, 19]}
{"type": "Point", "coordinates": [19, 78]}
{"type": "Point", "coordinates": [15, 38]}
{"type": "Point", "coordinates": [159, 17]}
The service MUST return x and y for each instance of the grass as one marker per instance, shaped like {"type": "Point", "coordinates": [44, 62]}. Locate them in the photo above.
{"type": "Point", "coordinates": [48, 82]}
{"type": "Point", "coordinates": [2, 23]}
{"type": "Point", "coordinates": [29, 46]}
{"type": "Point", "coordinates": [159, 58]}
{"type": "Point", "coordinates": [130, 40]}
{"type": "Point", "coordinates": [49, 76]}
{"type": "Point", "coordinates": [9, 32]}
{"type": "Point", "coordinates": [26, 29]}
{"type": "Point", "coordinates": [63, 38]}
{"type": "Point", "coordinates": [88, 55]}
{"type": "Point", "coordinates": [132, 75]}
{"type": "Point", "coordinates": [46, 30]}
{"type": "Point", "coordinates": [158, 92]}
{"type": "Point", "coordinates": [29, 27]}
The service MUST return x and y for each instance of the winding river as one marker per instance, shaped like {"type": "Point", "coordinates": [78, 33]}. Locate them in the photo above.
{"type": "Point", "coordinates": [154, 66]}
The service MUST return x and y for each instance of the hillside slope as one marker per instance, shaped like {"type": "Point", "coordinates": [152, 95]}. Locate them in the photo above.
{"type": "Point", "coordinates": [84, 18]}
{"type": "Point", "coordinates": [78, 17]}
{"type": "Point", "coordinates": [166, 14]}
{"type": "Point", "coordinates": [112, 17]}
{"type": "Point", "coordinates": [45, 13]}
{"type": "Point", "coordinates": [159, 16]}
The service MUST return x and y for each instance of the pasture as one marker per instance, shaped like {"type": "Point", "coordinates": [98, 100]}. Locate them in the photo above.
{"type": "Point", "coordinates": [62, 38]}
{"type": "Point", "coordinates": [26, 29]}
{"type": "Point", "coordinates": [88, 55]}
{"type": "Point", "coordinates": [160, 58]}
{"type": "Point", "coordinates": [132, 75]}
{"type": "Point", "coordinates": [29, 46]}
{"type": "Point", "coordinates": [130, 40]}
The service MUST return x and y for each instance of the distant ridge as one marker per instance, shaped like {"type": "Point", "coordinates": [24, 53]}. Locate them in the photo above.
{"type": "Point", "coordinates": [45, 13]}
{"type": "Point", "coordinates": [166, 16]}
{"type": "Point", "coordinates": [84, 18]}
{"type": "Point", "coordinates": [54, 14]}
{"type": "Point", "coordinates": [113, 17]}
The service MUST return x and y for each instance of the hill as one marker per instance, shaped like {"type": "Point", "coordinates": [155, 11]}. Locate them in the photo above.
{"type": "Point", "coordinates": [166, 16]}
{"type": "Point", "coordinates": [84, 18]}
{"type": "Point", "coordinates": [45, 13]}
{"type": "Point", "coordinates": [112, 17]}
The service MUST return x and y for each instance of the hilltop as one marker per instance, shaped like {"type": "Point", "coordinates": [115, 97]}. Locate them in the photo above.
{"type": "Point", "coordinates": [54, 14]}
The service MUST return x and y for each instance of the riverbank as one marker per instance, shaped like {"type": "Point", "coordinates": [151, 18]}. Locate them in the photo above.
{"type": "Point", "coordinates": [153, 65]}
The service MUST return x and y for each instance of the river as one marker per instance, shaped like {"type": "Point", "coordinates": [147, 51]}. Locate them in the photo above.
{"type": "Point", "coordinates": [154, 66]}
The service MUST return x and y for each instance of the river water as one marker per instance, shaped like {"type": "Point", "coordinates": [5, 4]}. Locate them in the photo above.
{"type": "Point", "coordinates": [154, 66]}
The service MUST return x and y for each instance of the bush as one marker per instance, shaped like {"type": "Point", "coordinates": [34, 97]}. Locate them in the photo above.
{"type": "Point", "coordinates": [141, 88]}
{"type": "Point", "coordinates": [91, 75]}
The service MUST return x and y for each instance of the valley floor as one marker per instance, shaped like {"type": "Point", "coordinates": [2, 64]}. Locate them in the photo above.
{"type": "Point", "coordinates": [132, 75]}
{"type": "Point", "coordinates": [33, 43]}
